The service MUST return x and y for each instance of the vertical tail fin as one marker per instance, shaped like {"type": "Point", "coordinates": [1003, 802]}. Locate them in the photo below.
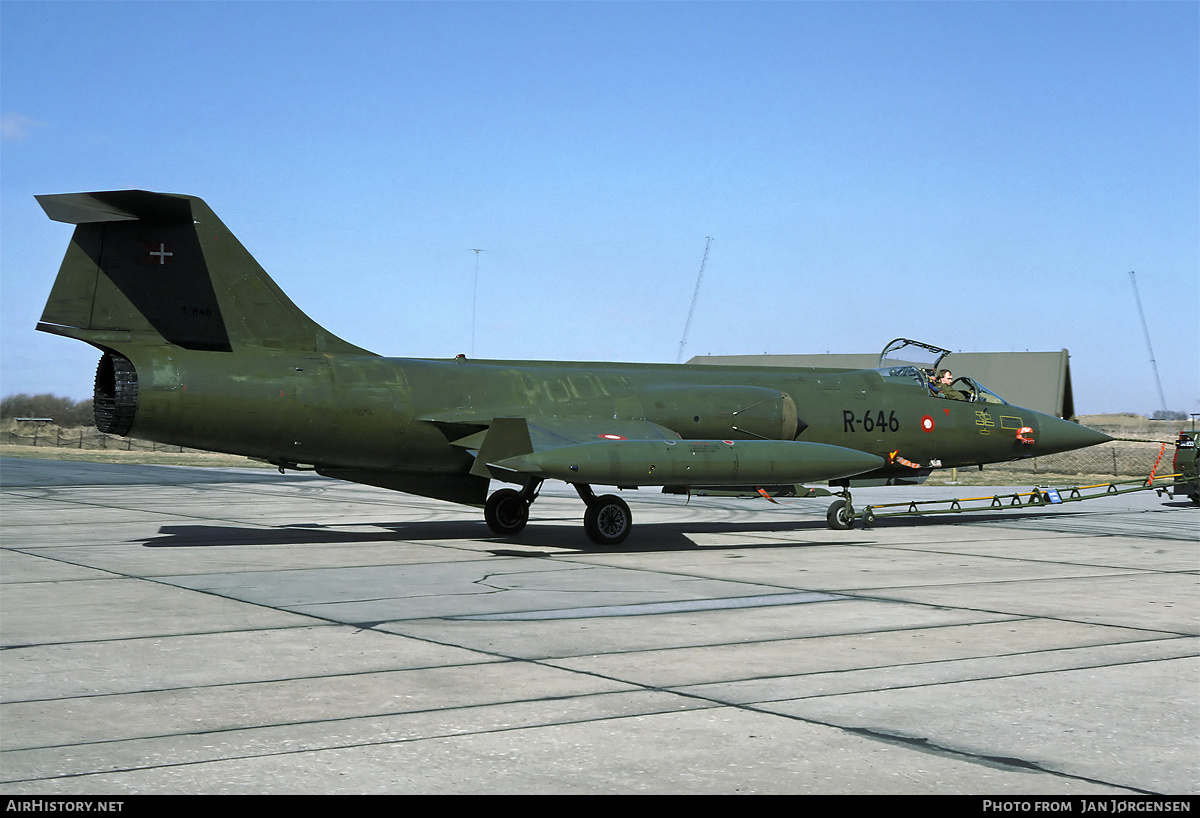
{"type": "Point", "coordinates": [152, 267]}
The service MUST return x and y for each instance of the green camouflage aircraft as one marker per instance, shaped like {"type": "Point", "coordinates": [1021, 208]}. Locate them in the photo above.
{"type": "Point", "coordinates": [202, 349]}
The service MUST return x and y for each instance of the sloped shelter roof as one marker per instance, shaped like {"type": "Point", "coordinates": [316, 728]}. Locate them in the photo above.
{"type": "Point", "coordinates": [1035, 380]}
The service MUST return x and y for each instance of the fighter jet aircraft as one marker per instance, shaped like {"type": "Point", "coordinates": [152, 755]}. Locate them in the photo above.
{"type": "Point", "coordinates": [200, 348]}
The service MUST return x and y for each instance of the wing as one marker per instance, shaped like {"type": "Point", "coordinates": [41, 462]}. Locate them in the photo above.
{"type": "Point", "coordinates": [506, 447]}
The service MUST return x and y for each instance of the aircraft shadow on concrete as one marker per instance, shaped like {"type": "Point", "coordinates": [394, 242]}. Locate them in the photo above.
{"type": "Point", "coordinates": [645, 536]}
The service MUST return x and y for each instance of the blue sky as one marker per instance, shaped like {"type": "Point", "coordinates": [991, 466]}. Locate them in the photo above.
{"type": "Point", "coordinates": [978, 175]}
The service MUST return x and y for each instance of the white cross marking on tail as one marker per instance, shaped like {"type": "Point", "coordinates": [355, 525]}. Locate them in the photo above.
{"type": "Point", "coordinates": [162, 253]}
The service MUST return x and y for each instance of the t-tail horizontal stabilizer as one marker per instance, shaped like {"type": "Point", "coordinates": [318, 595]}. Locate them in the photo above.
{"type": "Point", "coordinates": [144, 268]}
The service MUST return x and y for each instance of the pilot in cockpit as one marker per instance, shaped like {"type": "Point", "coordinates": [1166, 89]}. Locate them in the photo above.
{"type": "Point", "coordinates": [942, 386]}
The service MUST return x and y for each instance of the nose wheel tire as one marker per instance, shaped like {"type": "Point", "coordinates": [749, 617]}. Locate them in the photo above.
{"type": "Point", "coordinates": [840, 516]}
{"type": "Point", "coordinates": [506, 512]}
{"type": "Point", "coordinates": [607, 520]}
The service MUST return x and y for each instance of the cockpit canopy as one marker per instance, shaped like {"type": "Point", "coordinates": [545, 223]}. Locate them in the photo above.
{"type": "Point", "coordinates": [907, 351]}
{"type": "Point", "coordinates": [922, 372]}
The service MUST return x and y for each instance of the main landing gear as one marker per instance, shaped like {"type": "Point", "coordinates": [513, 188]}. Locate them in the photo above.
{"type": "Point", "coordinates": [607, 519]}
{"type": "Point", "coordinates": [507, 510]}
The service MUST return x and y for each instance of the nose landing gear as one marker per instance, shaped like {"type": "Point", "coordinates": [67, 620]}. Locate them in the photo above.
{"type": "Point", "coordinates": [840, 516]}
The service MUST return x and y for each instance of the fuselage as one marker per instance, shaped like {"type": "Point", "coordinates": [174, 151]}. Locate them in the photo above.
{"type": "Point", "coordinates": [354, 411]}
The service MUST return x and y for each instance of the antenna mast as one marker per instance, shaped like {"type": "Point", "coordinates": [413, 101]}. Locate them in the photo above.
{"type": "Point", "coordinates": [474, 296]}
{"type": "Point", "coordinates": [695, 294]}
{"type": "Point", "coordinates": [1146, 330]}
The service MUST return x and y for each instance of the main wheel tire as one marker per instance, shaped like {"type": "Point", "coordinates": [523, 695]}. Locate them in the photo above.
{"type": "Point", "coordinates": [839, 516]}
{"type": "Point", "coordinates": [608, 520]}
{"type": "Point", "coordinates": [506, 513]}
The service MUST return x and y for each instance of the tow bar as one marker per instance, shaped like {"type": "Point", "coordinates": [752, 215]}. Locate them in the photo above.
{"type": "Point", "coordinates": [1035, 497]}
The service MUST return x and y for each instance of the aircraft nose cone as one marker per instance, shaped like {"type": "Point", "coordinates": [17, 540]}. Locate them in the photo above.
{"type": "Point", "coordinates": [1057, 435]}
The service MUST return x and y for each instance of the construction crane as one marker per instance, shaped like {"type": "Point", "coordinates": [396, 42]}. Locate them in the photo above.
{"type": "Point", "coordinates": [695, 295]}
{"type": "Point", "coordinates": [1146, 330]}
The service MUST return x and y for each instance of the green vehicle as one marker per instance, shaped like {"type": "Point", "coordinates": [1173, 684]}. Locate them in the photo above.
{"type": "Point", "coordinates": [200, 348]}
{"type": "Point", "coordinates": [1184, 464]}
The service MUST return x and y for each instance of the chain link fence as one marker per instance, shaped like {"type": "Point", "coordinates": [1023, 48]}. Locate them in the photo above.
{"type": "Point", "coordinates": [1115, 460]}
{"type": "Point", "coordinates": [90, 439]}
